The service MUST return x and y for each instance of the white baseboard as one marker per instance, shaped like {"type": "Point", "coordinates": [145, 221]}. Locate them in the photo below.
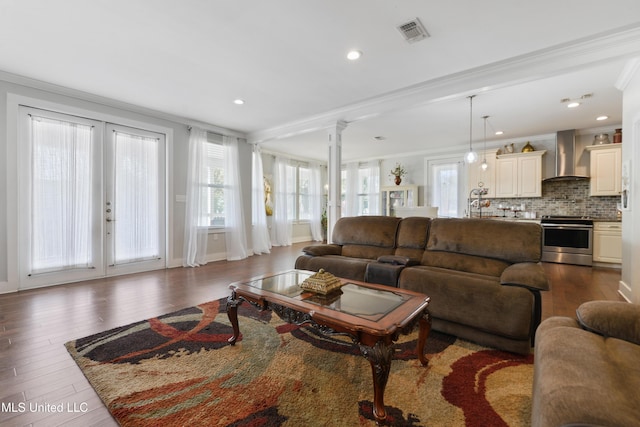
{"type": "Point", "coordinates": [7, 288]}
{"type": "Point", "coordinates": [625, 291]}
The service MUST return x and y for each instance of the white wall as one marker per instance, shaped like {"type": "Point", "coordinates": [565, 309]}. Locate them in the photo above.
{"type": "Point", "coordinates": [630, 283]}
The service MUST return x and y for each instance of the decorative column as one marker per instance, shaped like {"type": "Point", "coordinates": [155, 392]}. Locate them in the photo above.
{"type": "Point", "coordinates": [334, 208]}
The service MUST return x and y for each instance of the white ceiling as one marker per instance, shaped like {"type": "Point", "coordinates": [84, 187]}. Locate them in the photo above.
{"type": "Point", "coordinates": [286, 59]}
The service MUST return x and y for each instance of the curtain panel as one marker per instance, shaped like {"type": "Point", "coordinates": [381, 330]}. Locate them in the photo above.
{"type": "Point", "coordinates": [259, 227]}
{"type": "Point", "coordinates": [316, 204]}
{"type": "Point", "coordinates": [234, 223]}
{"type": "Point", "coordinates": [195, 236]}
{"type": "Point", "coordinates": [282, 226]}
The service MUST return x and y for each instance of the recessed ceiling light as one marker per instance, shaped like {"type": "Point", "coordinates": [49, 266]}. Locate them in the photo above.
{"type": "Point", "coordinates": [573, 104]}
{"type": "Point", "coordinates": [499, 132]}
{"type": "Point", "coordinates": [602, 117]}
{"type": "Point", "coordinates": [238, 101]}
{"type": "Point", "coordinates": [354, 55]}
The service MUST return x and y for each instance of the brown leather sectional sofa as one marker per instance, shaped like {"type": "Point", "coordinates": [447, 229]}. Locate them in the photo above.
{"type": "Point", "coordinates": [484, 276]}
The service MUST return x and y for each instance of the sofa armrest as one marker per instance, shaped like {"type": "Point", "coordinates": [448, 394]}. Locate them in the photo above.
{"type": "Point", "coordinates": [615, 319]}
{"type": "Point", "coordinates": [529, 275]}
{"type": "Point", "coordinates": [320, 250]}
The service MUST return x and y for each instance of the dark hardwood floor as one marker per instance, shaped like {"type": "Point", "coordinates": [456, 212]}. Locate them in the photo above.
{"type": "Point", "coordinates": [36, 371]}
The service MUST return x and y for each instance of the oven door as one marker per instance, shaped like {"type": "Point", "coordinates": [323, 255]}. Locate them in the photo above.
{"type": "Point", "coordinates": [567, 243]}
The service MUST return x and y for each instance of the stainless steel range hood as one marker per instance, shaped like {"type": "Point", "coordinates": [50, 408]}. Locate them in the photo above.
{"type": "Point", "coordinates": [565, 162]}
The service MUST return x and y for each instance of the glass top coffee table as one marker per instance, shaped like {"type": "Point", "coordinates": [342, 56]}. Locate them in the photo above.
{"type": "Point", "coordinates": [372, 315]}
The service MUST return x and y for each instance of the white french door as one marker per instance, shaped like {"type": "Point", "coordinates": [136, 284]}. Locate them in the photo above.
{"type": "Point", "coordinates": [134, 212]}
{"type": "Point", "coordinates": [91, 199]}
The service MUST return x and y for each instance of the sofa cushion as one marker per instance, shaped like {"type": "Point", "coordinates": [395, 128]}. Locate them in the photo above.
{"type": "Point", "coordinates": [412, 237]}
{"type": "Point", "coordinates": [412, 233]}
{"type": "Point", "coordinates": [503, 240]}
{"type": "Point", "coordinates": [379, 231]}
{"type": "Point", "coordinates": [614, 319]}
{"type": "Point", "coordinates": [463, 262]}
{"type": "Point", "coordinates": [339, 266]}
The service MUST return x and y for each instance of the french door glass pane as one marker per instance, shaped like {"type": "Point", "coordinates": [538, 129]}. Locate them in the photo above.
{"type": "Point", "coordinates": [136, 219]}
{"type": "Point", "coordinates": [61, 195]}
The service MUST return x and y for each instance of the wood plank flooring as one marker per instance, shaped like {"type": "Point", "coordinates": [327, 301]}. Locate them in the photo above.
{"type": "Point", "coordinates": [37, 372]}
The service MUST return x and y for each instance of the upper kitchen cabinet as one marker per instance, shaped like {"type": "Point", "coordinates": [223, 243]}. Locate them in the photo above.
{"type": "Point", "coordinates": [478, 178]}
{"type": "Point", "coordinates": [606, 169]}
{"type": "Point", "coordinates": [519, 175]}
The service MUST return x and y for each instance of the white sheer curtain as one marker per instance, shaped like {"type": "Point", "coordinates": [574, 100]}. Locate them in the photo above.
{"type": "Point", "coordinates": [282, 226]}
{"type": "Point", "coordinates": [315, 201]}
{"type": "Point", "coordinates": [136, 198]}
{"type": "Point", "coordinates": [350, 207]}
{"type": "Point", "coordinates": [235, 233]}
{"type": "Point", "coordinates": [195, 235]}
{"type": "Point", "coordinates": [259, 230]}
{"type": "Point", "coordinates": [373, 187]}
{"type": "Point", "coordinates": [61, 195]}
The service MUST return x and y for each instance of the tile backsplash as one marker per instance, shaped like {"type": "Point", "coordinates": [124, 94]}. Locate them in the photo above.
{"type": "Point", "coordinates": [561, 198]}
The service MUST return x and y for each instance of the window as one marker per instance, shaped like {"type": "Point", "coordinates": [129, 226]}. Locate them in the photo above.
{"type": "Point", "coordinates": [213, 187]}
{"type": "Point", "coordinates": [299, 192]}
{"type": "Point", "coordinates": [360, 191]}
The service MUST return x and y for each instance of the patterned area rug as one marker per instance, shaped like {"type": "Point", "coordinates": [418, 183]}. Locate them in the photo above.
{"type": "Point", "coordinates": [179, 370]}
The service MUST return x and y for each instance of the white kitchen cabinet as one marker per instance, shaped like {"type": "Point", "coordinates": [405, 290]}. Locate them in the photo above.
{"type": "Point", "coordinates": [606, 169]}
{"type": "Point", "coordinates": [398, 196]}
{"type": "Point", "coordinates": [607, 242]}
{"type": "Point", "coordinates": [519, 175]}
{"type": "Point", "coordinates": [477, 178]}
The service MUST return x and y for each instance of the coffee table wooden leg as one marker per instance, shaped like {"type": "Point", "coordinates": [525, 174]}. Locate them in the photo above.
{"type": "Point", "coordinates": [425, 329]}
{"type": "Point", "coordinates": [232, 313]}
{"type": "Point", "coordinates": [379, 356]}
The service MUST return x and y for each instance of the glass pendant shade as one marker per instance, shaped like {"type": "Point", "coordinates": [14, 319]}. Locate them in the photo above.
{"type": "Point", "coordinates": [471, 157]}
{"type": "Point", "coordinates": [484, 165]}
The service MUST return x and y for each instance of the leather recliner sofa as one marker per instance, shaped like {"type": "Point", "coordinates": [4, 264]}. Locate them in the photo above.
{"type": "Point", "coordinates": [484, 276]}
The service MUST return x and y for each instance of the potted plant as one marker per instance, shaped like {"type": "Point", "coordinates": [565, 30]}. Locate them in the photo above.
{"type": "Point", "coordinates": [398, 172]}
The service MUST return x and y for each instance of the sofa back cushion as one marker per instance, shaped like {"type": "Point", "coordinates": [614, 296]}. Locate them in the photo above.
{"type": "Point", "coordinates": [412, 237]}
{"type": "Point", "coordinates": [462, 262]}
{"type": "Point", "coordinates": [366, 236]}
{"type": "Point", "coordinates": [508, 241]}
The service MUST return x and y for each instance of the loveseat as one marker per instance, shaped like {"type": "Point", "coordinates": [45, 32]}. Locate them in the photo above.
{"type": "Point", "coordinates": [587, 369]}
{"type": "Point", "coordinates": [484, 276]}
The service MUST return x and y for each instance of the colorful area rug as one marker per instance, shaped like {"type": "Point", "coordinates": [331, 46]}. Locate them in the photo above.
{"type": "Point", "coordinates": [179, 370]}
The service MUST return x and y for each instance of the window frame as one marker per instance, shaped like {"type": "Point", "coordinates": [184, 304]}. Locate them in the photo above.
{"type": "Point", "coordinates": [216, 140]}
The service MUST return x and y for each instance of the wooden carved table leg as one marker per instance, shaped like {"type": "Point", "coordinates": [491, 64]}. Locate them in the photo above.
{"type": "Point", "coordinates": [232, 313]}
{"type": "Point", "coordinates": [379, 356]}
{"type": "Point", "coordinates": [425, 329]}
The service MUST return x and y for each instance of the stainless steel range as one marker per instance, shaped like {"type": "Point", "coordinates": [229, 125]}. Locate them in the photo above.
{"type": "Point", "coordinates": [567, 239]}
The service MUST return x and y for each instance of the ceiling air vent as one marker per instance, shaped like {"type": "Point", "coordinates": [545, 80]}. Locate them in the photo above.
{"type": "Point", "coordinates": [413, 31]}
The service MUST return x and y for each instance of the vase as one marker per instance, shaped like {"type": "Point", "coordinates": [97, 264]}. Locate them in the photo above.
{"type": "Point", "coordinates": [398, 179]}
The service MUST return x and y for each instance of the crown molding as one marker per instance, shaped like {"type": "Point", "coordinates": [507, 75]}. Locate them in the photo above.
{"type": "Point", "coordinates": [630, 69]}
{"type": "Point", "coordinates": [112, 103]}
{"type": "Point", "coordinates": [614, 45]}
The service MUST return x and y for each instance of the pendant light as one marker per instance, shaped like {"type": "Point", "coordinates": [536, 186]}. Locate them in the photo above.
{"type": "Point", "coordinates": [471, 156]}
{"type": "Point", "coordinates": [484, 165]}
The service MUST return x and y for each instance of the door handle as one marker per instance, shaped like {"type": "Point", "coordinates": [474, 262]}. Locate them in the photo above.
{"type": "Point", "coordinates": [110, 220]}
